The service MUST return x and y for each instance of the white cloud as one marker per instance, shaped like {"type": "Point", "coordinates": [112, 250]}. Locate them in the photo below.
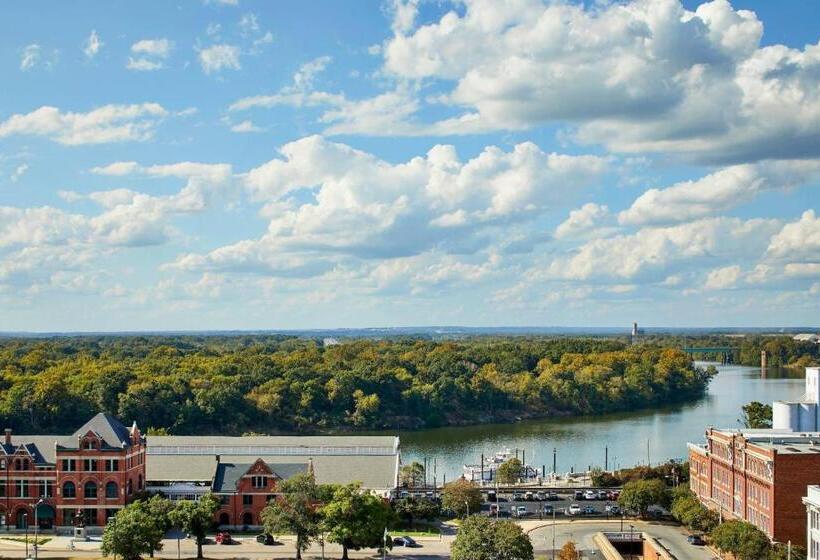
{"type": "Point", "coordinates": [19, 171]}
{"type": "Point", "coordinates": [92, 45]}
{"type": "Point", "coordinates": [245, 126]}
{"type": "Point", "coordinates": [723, 278]}
{"type": "Point", "coordinates": [150, 54]}
{"type": "Point", "coordinates": [109, 123]}
{"type": "Point", "coordinates": [219, 57]}
{"type": "Point", "coordinates": [30, 57]}
{"type": "Point", "coordinates": [249, 24]}
{"type": "Point", "coordinates": [590, 219]}
{"type": "Point", "coordinates": [717, 192]}
{"type": "Point", "coordinates": [798, 240]}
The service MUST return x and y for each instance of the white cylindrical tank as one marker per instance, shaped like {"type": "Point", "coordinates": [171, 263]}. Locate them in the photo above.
{"type": "Point", "coordinates": [785, 416]}
{"type": "Point", "coordinates": [808, 417]}
{"type": "Point", "coordinates": [813, 384]}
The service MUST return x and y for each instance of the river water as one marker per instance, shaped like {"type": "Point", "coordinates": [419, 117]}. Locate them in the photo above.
{"type": "Point", "coordinates": [581, 442]}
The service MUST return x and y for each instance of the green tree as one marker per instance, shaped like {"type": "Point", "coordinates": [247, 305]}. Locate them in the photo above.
{"type": "Point", "coordinates": [482, 538]}
{"type": "Point", "coordinates": [130, 533]}
{"type": "Point", "coordinates": [756, 415]}
{"type": "Point", "coordinates": [461, 497]}
{"type": "Point", "coordinates": [355, 519]}
{"type": "Point", "coordinates": [743, 540]}
{"type": "Point", "coordinates": [687, 509]}
{"type": "Point", "coordinates": [411, 509]}
{"type": "Point", "coordinates": [195, 518]}
{"type": "Point", "coordinates": [412, 475]}
{"type": "Point", "coordinates": [638, 495]}
{"type": "Point", "coordinates": [159, 510]}
{"type": "Point", "coordinates": [509, 472]}
{"type": "Point", "coordinates": [294, 511]}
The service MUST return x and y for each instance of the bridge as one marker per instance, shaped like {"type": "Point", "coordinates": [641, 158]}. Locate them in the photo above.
{"type": "Point", "coordinates": [726, 352]}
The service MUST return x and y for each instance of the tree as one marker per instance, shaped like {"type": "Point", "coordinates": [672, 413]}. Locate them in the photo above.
{"type": "Point", "coordinates": [482, 538]}
{"type": "Point", "coordinates": [638, 495]}
{"type": "Point", "coordinates": [355, 519]}
{"type": "Point", "coordinates": [130, 533]}
{"type": "Point", "coordinates": [743, 540]}
{"type": "Point", "coordinates": [410, 509]}
{"type": "Point", "coordinates": [412, 475]}
{"type": "Point", "coordinates": [294, 511]}
{"type": "Point", "coordinates": [568, 552]}
{"type": "Point", "coordinates": [195, 518]}
{"type": "Point", "coordinates": [159, 511]}
{"type": "Point", "coordinates": [756, 415]}
{"type": "Point", "coordinates": [687, 509]}
{"type": "Point", "coordinates": [509, 471]}
{"type": "Point", "coordinates": [461, 497]}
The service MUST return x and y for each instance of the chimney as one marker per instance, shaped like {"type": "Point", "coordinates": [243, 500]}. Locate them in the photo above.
{"type": "Point", "coordinates": [8, 436]}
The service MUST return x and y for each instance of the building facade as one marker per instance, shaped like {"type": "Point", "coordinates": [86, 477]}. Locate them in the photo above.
{"type": "Point", "coordinates": [812, 503]}
{"type": "Point", "coordinates": [758, 476]}
{"type": "Point", "coordinates": [65, 480]}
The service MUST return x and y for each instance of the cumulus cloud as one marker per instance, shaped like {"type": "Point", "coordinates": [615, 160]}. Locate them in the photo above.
{"type": "Point", "coordinates": [245, 126]}
{"type": "Point", "coordinates": [92, 45]}
{"type": "Point", "coordinates": [30, 57]}
{"type": "Point", "coordinates": [149, 54]}
{"type": "Point", "coordinates": [798, 240]}
{"type": "Point", "coordinates": [723, 278]}
{"type": "Point", "coordinates": [109, 123]}
{"type": "Point", "coordinates": [591, 219]}
{"type": "Point", "coordinates": [718, 191]}
{"type": "Point", "coordinates": [18, 172]}
{"type": "Point", "coordinates": [219, 57]}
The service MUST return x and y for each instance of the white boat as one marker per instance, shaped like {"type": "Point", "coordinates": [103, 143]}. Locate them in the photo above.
{"type": "Point", "coordinates": [486, 472]}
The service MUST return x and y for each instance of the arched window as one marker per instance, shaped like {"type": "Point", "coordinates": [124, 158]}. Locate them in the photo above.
{"type": "Point", "coordinates": [69, 490]}
{"type": "Point", "coordinates": [111, 490]}
{"type": "Point", "coordinates": [129, 487]}
{"type": "Point", "coordinates": [25, 464]}
{"type": "Point", "coordinates": [139, 482]}
{"type": "Point", "coordinates": [224, 519]}
{"type": "Point", "coordinates": [247, 518]}
{"type": "Point", "coordinates": [90, 489]}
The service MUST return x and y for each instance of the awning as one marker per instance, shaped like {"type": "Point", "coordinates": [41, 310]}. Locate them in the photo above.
{"type": "Point", "coordinates": [44, 511]}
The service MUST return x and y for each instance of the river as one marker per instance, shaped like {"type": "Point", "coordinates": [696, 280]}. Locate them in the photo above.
{"type": "Point", "coordinates": [581, 441]}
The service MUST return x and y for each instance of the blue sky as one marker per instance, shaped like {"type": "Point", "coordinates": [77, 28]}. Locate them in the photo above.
{"type": "Point", "coordinates": [245, 165]}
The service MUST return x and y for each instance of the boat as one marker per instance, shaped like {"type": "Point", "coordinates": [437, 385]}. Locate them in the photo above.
{"type": "Point", "coordinates": [486, 472]}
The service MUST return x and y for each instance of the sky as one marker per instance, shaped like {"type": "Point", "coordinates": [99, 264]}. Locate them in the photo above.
{"type": "Point", "coordinates": [231, 164]}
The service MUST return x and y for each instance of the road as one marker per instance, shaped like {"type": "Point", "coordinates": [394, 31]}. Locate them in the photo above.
{"type": "Point", "coordinates": [579, 530]}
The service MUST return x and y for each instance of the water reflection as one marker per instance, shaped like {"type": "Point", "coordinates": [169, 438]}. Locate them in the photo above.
{"type": "Point", "coordinates": [621, 438]}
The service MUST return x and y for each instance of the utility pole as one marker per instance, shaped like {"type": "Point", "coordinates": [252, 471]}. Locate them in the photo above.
{"type": "Point", "coordinates": [554, 455]}
{"type": "Point", "coordinates": [606, 458]}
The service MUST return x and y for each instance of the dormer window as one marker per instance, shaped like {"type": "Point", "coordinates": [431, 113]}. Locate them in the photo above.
{"type": "Point", "coordinates": [258, 481]}
{"type": "Point", "coordinates": [89, 444]}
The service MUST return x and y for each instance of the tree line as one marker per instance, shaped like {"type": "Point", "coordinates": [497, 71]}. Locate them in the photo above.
{"type": "Point", "coordinates": [266, 383]}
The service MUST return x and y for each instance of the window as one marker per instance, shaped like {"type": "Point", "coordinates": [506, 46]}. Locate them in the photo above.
{"type": "Point", "coordinates": [69, 465]}
{"type": "Point", "coordinates": [90, 516]}
{"type": "Point", "coordinates": [22, 488]}
{"type": "Point", "coordinates": [90, 489]}
{"type": "Point", "coordinates": [247, 500]}
{"type": "Point", "coordinates": [112, 465]}
{"type": "Point", "coordinates": [110, 513]}
{"type": "Point", "coordinates": [258, 481]}
{"type": "Point", "coordinates": [2, 463]}
{"type": "Point", "coordinates": [111, 490]}
{"type": "Point", "coordinates": [89, 465]}
{"type": "Point", "coordinates": [89, 444]}
{"type": "Point", "coordinates": [139, 482]}
{"type": "Point", "coordinates": [2, 489]}
{"type": "Point", "coordinates": [69, 490]}
{"type": "Point", "coordinates": [25, 464]}
{"type": "Point", "coordinates": [46, 489]}
{"type": "Point", "coordinates": [129, 487]}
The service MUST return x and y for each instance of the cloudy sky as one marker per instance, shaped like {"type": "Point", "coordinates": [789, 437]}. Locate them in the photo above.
{"type": "Point", "coordinates": [229, 164]}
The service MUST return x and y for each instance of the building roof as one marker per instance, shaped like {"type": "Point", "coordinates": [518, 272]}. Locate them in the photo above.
{"type": "Point", "coordinates": [779, 440]}
{"type": "Point", "coordinates": [228, 474]}
{"type": "Point", "coordinates": [371, 460]}
{"type": "Point", "coordinates": [110, 430]}
{"type": "Point", "coordinates": [42, 448]}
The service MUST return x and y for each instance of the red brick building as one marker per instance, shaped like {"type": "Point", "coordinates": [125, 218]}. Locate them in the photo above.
{"type": "Point", "coordinates": [759, 476]}
{"type": "Point", "coordinates": [89, 474]}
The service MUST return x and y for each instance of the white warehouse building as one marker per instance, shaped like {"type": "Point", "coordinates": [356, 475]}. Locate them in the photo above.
{"type": "Point", "coordinates": [802, 415]}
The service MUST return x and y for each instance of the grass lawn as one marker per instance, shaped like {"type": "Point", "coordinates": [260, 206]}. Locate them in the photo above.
{"type": "Point", "coordinates": [40, 540]}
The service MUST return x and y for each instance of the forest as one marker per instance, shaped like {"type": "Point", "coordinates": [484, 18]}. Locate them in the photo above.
{"type": "Point", "coordinates": [781, 350]}
{"type": "Point", "coordinates": [281, 384]}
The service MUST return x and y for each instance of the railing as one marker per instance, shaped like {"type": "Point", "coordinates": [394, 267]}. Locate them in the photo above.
{"type": "Point", "coordinates": [258, 450]}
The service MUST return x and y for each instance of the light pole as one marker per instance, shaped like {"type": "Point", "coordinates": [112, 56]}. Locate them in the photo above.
{"type": "Point", "coordinates": [553, 533]}
{"type": "Point", "coordinates": [36, 525]}
{"type": "Point", "coordinates": [631, 543]}
{"type": "Point", "coordinates": [466, 503]}
{"type": "Point", "coordinates": [25, 522]}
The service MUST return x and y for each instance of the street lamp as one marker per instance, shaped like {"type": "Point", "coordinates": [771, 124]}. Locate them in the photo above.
{"type": "Point", "coordinates": [25, 522]}
{"type": "Point", "coordinates": [466, 503]}
{"type": "Point", "coordinates": [36, 525]}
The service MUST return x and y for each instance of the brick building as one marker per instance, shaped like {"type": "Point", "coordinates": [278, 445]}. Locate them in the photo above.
{"type": "Point", "coordinates": [759, 476]}
{"type": "Point", "coordinates": [90, 474]}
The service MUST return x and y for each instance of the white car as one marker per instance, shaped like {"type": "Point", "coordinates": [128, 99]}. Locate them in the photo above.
{"type": "Point", "coordinates": [590, 495]}
{"type": "Point", "coordinates": [574, 509]}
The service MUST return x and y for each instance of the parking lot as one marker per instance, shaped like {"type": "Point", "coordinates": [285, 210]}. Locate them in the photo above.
{"type": "Point", "coordinates": [509, 504]}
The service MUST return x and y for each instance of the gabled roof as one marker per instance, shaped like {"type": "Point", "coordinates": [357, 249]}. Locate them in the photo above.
{"type": "Point", "coordinates": [110, 430]}
{"type": "Point", "coordinates": [228, 474]}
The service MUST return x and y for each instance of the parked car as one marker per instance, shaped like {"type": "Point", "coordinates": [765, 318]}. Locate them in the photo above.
{"type": "Point", "coordinates": [492, 496]}
{"type": "Point", "coordinates": [573, 509]}
{"type": "Point", "coordinates": [528, 496]}
{"type": "Point", "coordinates": [552, 496]}
{"type": "Point", "coordinates": [517, 496]}
{"type": "Point", "coordinates": [589, 510]}
{"type": "Point", "coordinates": [405, 541]}
{"type": "Point", "coordinates": [603, 494]}
{"type": "Point", "coordinates": [579, 495]}
{"type": "Point", "coordinates": [612, 509]}
{"type": "Point", "coordinates": [548, 509]}
{"type": "Point", "coordinates": [404, 494]}
{"type": "Point", "coordinates": [521, 511]}
{"type": "Point", "coordinates": [696, 540]}
{"type": "Point", "coordinates": [265, 538]}
{"type": "Point", "coordinates": [590, 495]}
{"type": "Point", "coordinates": [224, 537]}
{"type": "Point", "coordinates": [540, 496]}
{"type": "Point", "coordinates": [613, 495]}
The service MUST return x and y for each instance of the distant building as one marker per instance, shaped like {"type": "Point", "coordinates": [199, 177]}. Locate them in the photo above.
{"type": "Point", "coordinates": [812, 502]}
{"type": "Point", "coordinates": [807, 337]}
{"type": "Point", "coordinates": [636, 333]}
{"type": "Point", "coordinates": [802, 415]}
{"type": "Point", "coordinates": [759, 476]}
